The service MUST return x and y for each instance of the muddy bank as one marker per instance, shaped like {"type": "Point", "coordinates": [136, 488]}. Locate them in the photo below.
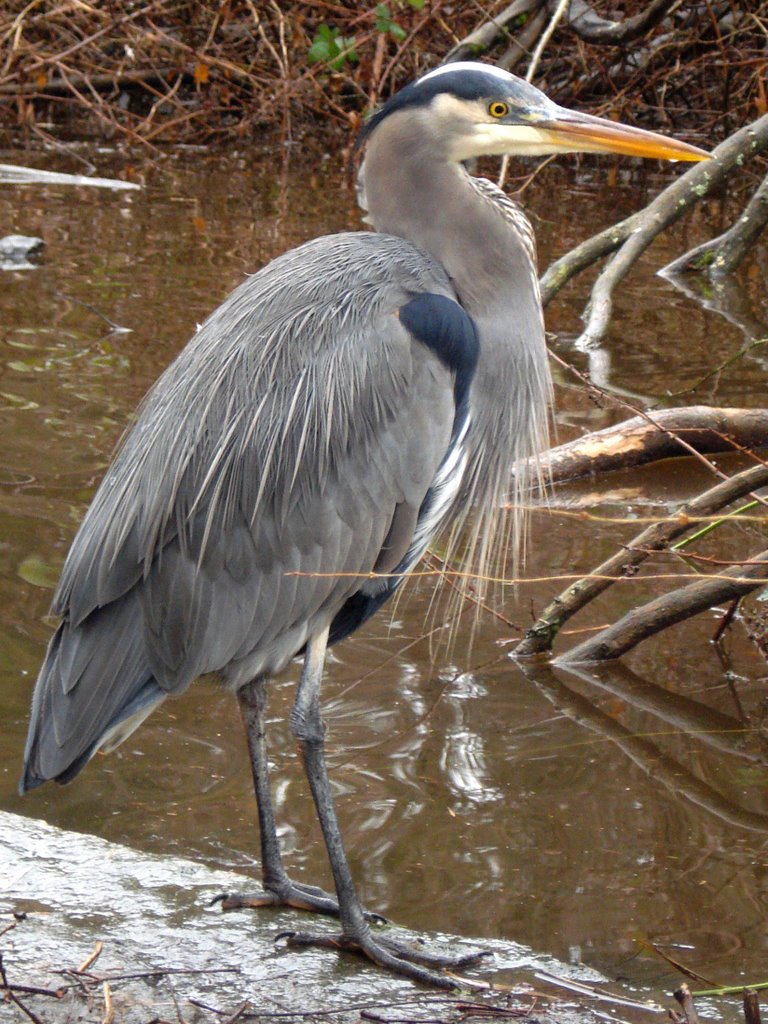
{"type": "Point", "coordinates": [168, 955]}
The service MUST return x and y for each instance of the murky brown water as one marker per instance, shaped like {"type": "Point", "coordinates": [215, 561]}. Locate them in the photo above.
{"type": "Point", "coordinates": [574, 814]}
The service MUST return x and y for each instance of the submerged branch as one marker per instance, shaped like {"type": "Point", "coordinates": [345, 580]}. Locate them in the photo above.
{"type": "Point", "coordinates": [723, 254]}
{"type": "Point", "coordinates": [658, 765]}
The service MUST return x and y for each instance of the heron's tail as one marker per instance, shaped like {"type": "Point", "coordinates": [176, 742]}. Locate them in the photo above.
{"type": "Point", "coordinates": [94, 689]}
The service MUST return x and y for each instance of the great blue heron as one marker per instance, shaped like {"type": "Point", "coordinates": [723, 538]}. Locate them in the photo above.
{"type": "Point", "coordinates": [325, 422]}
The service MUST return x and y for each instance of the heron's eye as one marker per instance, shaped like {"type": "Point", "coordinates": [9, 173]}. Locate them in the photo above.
{"type": "Point", "coordinates": [498, 109]}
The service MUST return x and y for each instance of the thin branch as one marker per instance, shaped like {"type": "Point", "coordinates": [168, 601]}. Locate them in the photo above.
{"type": "Point", "coordinates": [546, 35]}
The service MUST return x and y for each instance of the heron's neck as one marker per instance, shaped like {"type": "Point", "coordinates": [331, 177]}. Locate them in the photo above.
{"type": "Point", "coordinates": [415, 193]}
{"type": "Point", "coordinates": [431, 202]}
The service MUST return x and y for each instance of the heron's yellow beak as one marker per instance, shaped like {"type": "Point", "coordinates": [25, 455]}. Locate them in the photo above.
{"type": "Point", "coordinates": [584, 133]}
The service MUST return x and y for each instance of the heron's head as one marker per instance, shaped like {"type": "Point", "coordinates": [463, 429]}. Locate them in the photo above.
{"type": "Point", "coordinates": [475, 109]}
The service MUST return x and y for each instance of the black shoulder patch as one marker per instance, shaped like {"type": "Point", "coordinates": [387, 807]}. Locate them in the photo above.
{"type": "Point", "coordinates": [445, 327]}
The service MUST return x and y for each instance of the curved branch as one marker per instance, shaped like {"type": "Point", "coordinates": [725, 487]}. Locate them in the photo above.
{"type": "Point", "coordinates": [633, 235]}
{"type": "Point", "coordinates": [665, 210]}
{"type": "Point", "coordinates": [584, 255]}
{"type": "Point", "coordinates": [723, 254]}
{"type": "Point", "coordinates": [541, 635]}
{"type": "Point", "coordinates": [593, 28]}
{"type": "Point", "coordinates": [669, 609]}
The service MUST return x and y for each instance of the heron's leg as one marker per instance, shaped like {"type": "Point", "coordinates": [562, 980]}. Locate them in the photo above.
{"type": "Point", "coordinates": [279, 890]}
{"type": "Point", "coordinates": [356, 935]}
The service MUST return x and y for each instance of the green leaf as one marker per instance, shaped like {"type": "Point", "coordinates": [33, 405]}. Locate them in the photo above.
{"type": "Point", "coordinates": [321, 44]}
{"type": "Point", "coordinates": [384, 23]}
{"type": "Point", "coordinates": [330, 48]}
{"type": "Point", "coordinates": [383, 18]}
{"type": "Point", "coordinates": [35, 570]}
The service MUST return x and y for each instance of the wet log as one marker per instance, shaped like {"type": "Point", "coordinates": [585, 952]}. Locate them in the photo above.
{"type": "Point", "coordinates": [668, 433]}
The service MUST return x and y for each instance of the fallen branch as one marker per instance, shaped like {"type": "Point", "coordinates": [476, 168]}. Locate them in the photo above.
{"type": "Point", "coordinates": [657, 765]}
{"type": "Point", "coordinates": [541, 635]}
{"type": "Point", "coordinates": [485, 35]}
{"type": "Point", "coordinates": [106, 81]}
{"type": "Point", "coordinates": [523, 43]}
{"type": "Point", "coordinates": [669, 609]}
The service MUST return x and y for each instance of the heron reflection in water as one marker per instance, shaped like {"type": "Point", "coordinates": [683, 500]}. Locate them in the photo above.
{"type": "Point", "coordinates": [341, 408]}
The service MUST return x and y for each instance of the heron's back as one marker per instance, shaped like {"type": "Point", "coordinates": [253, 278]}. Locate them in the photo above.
{"type": "Point", "coordinates": [285, 452]}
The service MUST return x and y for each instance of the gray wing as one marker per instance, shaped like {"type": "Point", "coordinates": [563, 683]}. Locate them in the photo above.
{"type": "Point", "coordinates": [288, 448]}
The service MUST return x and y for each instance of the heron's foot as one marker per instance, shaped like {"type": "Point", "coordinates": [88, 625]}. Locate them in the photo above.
{"type": "Point", "coordinates": [412, 960]}
{"type": "Point", "coordinates": [289, 894]}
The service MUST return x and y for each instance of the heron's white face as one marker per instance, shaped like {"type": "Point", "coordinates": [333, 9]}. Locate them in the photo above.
{"type": "Point", "coordinates": [513, 117]}
{"type": "Point", "coordinates": [472, 129]}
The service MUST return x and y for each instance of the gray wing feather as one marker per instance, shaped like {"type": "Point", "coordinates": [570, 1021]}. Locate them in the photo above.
{"type": "Point", "coordinates": [94, 676]}
{"type": "Point", "coordinates": [290, 443]}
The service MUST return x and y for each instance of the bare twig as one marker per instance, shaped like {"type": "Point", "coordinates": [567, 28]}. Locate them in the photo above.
{"type": "Point", "coordinates": [91, 960]}
{"type": "Point", "coordinates": [546, 35]}
{"type": "Point", "coordinates": [13, 997]}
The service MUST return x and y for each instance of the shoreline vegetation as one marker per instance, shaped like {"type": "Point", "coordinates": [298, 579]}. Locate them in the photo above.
{"type": "Point", "coordinates": [164, 72]}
